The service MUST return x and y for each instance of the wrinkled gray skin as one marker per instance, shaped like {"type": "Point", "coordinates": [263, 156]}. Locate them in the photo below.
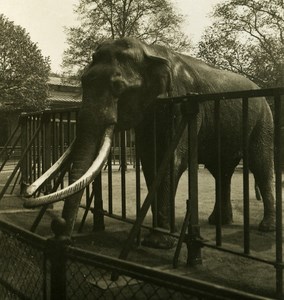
{"type": "Point", "coordinates": [120, 86]}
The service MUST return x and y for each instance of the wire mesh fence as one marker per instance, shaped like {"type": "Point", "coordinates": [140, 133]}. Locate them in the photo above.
{"type": "Point", "coordinates": [22, 265]}
{"type": "Point", "coordinates": [91, 282]}
{"type": "Point", "coordinates": [26, 270]}
{"type": "Point", "coordinates": [32, 267]}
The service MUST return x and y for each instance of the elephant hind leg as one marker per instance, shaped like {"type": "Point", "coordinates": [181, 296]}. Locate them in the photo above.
{"type": "Point", "coordinates": [261, 165]}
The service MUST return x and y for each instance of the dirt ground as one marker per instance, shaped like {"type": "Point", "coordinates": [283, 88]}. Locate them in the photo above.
{"type": "Point", "coordinates": [217, 267]}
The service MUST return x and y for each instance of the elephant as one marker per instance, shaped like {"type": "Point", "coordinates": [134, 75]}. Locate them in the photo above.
{"type": "Point", "coordinates": [120, 87]}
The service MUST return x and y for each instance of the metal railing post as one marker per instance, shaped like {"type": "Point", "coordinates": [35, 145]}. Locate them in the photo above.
{"type": "Point", "coordinates": [193, 244]}
{"type": "Point", "coordinates": [98, 204]}
{"type": "Point", "coordinates": [218, 179]}
{"type": "Point", "coordinates": [172, 176]}
{"type": "Point", "coordinates": [47, 145]}
{"type": "Point", "coordinates": [56, 254]}
{"type": "Point", "coordinates": [123, 168]}
{"type": "Point", "coordinates": [24, 140]}
{"type": "Point", "coordinates": [278, 186]}
{"type": "Point", "coordinates": [246, 177]}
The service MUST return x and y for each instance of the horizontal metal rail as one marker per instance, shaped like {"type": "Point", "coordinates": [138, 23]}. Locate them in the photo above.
{"type": "Point", "coordinates": [182, 284]}
{"type": "Point", "coordinates": [272, 92]}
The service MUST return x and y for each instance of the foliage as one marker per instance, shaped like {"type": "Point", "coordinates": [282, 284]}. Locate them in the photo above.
{"type": "Point", "coordinates": [152, 21]}
{"type": "Point", "coordinates": [247, 37]}
{"type": "Point", "coordinates": [23, 69]}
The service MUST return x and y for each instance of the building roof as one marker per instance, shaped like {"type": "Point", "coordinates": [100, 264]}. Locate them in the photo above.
{"type": "Point", "coordinates": [63, 93]}
{"type": "Point", "coordinates": [64, 97]}
{"type": "Point", "coordinates": [62, 81]}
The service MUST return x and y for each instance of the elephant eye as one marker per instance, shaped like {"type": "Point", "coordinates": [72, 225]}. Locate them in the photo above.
{"type": "Point", "coordinates": [117, 87]}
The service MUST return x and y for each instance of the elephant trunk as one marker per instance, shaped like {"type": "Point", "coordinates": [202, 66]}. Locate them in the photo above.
{"type": "Point", "coordinates": [89, 155]}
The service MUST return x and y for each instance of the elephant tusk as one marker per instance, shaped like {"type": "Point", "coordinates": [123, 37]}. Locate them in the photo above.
{"type": "Point", "coordinates": [50, 172]}
{"type": "Point", "coordinates": [82, 182]}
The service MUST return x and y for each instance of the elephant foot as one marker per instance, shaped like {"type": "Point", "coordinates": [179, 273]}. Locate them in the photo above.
{"type": "Point", "coordinates": [158, 240]}
{"type": "Point", "coordinates": [267, 224]}
{"type": "Point", "coordinates": [227, 219]}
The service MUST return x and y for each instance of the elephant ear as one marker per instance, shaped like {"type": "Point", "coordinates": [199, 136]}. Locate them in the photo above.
{"type": "Point", "coordinates": [158, 73]}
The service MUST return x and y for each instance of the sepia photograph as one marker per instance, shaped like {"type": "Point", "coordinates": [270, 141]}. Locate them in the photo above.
{"type": "Point", "coordinates": [141, 149]}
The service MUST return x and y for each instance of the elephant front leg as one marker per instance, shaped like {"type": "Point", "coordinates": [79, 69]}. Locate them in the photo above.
{"type": "Point", "coordinates": [161, 206]}
{"type": "Point", "coordinates": [162, 214]}
{"type": "Point", "coordinates": [225, 199]}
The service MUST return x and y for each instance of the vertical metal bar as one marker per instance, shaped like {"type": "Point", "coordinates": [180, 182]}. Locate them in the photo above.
{"type": "Point", "coordinates": [56, 251]}
{"type": "Point", "coordinates": [87, 208]}
{"type": "Point", "coordinates": [44, 281]}
{"type": "Point", "coordinates": [138, 190]}
{"type": "Point", "coordinates": [172, 172]}
{"type": "Point", "coordinates": [123, 171]}
{"type": "Point", "coordinates": [70, 136]}
{"type": "Point", "coordinates": [218, 181]}
{"type": "Point", "coordinates": [114, 149]}
{"type": "Point", "coordinates": [30, 150]}
{"type": "Point", "coordinates": [155, 200]}
{"type": "Point", "coordinates": [61, 142]}
{"type": "Point", "coordinates": [182, 235]}
{"type": "Point", "coordinates": [43, 145]}
{"type": "Point", "coordinates": [54, 141]}
{"type": "Point", "coordinates": [47, 144]}
{"type": "Point", "coordinates": [61, 134]}
{"type": "Point", "coordinates": [68, 128]}
{"type": "Point", "coordinates": [109, 174]}
{"type": "Point", "coordinates": [53, 137]}
{"type": "Point", "coordinates": [38, 149]}
{"type": "Point", "coordinates": [246, 175]}
{"type": "Point", "coordinates": [57, 138]}
{"type": "Point", "coordinates": [98, 204]}
{"type": "Point", "coordinates": [131, 155]}
{"type": "Point", "coordinates": [34, 150]}
{"type": "Point", "coordinates": [278, 160]}
{"type": "Point", "coordinates": [194, 249]}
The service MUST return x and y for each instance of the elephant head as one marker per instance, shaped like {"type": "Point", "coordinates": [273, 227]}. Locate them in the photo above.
{"type": "Point", "coordinates": [122, 81]}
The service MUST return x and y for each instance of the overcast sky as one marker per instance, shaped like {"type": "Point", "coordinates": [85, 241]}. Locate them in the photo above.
{"type": "Point", "coordinates": [44, 20]}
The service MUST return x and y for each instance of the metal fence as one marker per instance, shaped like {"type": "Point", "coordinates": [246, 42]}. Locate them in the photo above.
{"type": "Point", "coordinates": [191, 221]}
{"type": "Point", "coordinates": [31, 166]}
{"type": "Point", "coordinates": [277, 96]}
{"type": "Point", "coordinates": [32, 267]}
{"type": "Point", "coordinates": [22, 264]}
{"type": "Point", "coordinates": [41, 138]}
